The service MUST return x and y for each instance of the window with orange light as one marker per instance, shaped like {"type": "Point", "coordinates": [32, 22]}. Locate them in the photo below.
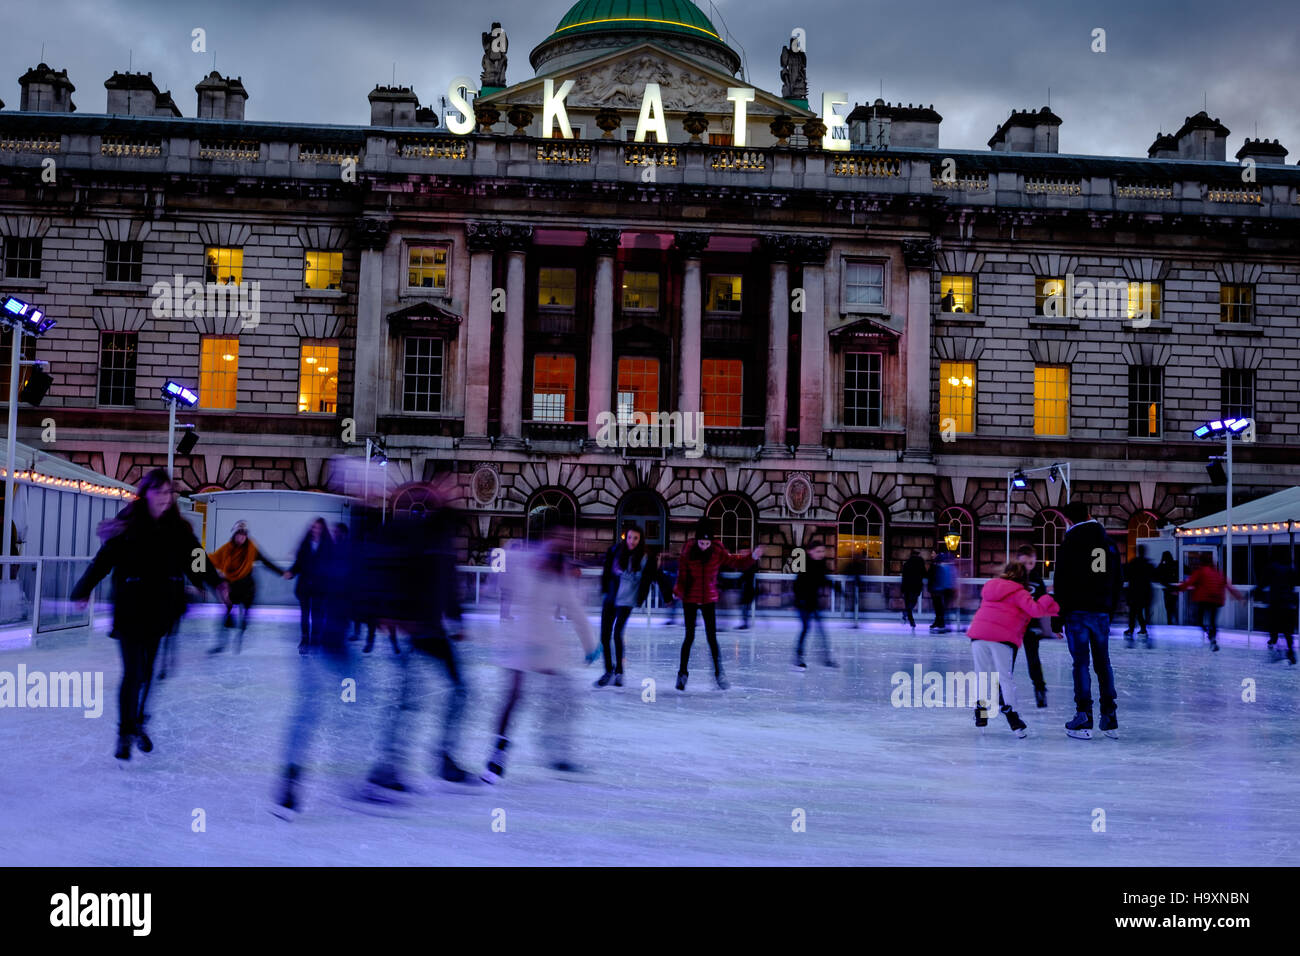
{"type": "Point", "coordinates": [318, 376]}
{"type": "Point", "coordinates": [223, 266]}
{"type": "Point", "coordinates": [218, 371]}
{"type": "Point", "coordinates": [638, 387]}
{"type": "Point", "coordinates": [553, 387]}
{"type": "Point", "coordinates": [323, 270]}
{"type": "Point", "coordinates": [1051, 400]}
{"type": "Point", "coordinates": [957, 396]}
{"type": "Point", "coordinates": [721, 392]}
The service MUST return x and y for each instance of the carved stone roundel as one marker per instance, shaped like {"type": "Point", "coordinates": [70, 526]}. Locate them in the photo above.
{"type": "Point", "coordinates": [798, 494]}
{"type": "Point", "coordinates": [485, 485]}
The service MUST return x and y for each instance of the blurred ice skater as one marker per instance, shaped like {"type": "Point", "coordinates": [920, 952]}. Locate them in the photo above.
{"type": "Point", "coordinates": [625, 584]}
{"type": "Point", "coordinates": [808, 587]}
{"type": "Point", "coordinates": [541, 648]}
{"type": "Point", "coordinates": [311, 566]}
{"type": "Point", "coordinates": [234, 562]}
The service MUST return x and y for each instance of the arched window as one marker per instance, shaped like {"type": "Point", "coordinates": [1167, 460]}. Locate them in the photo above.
{"type": "Point", "coordinates": [732, 518]}
{"type": "Point", "coordinates": [411, 500]}
{"type": "Point", "coordinates": [645, 508]}
{"type": "Point", "coordinates": [959, 522]}
{"type": "Point", "coordinates": [562, 513]}
{"type": "Point", "coordinates": [1049, 531]}
{"type": "Point", "coordinates": [1144, 524]}
{"type": "Point", "coordinates": [861, 535]}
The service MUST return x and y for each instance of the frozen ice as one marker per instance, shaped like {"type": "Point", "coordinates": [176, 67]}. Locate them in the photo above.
{"type": "Point", "coordinates": [1199, 776]}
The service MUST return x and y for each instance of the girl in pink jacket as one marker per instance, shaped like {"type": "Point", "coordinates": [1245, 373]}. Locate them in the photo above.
{"type": "Point", "coordinates": [995, 633]}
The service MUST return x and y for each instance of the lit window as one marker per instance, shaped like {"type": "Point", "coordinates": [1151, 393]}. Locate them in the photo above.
{"type": "Point", "coordinates": [957, 293]}
{"type": "Point", "coordinates": [324, 270]}
{"type": "Point", "coordinates": [638, 387]}
{"type": "Point", "coordinates": [117, 354]}
{"type": "Point", "coordinates": [1051, 528]}
{"type": "Point", "coordinates": [422, 374]}
{"type": "Point", "coordinates": [557, 288]}
{"type": "Point", "coordinates": [427, 267]}
{"type": "Point", "coordinates": [721, 392]}
{"type": "Point", "coordinates": [218, 371]}
{"type": "Point", "coordinates": [1049, 297]}
{"type": "Point", "coordinates": [553, 378]}
{"type": "Point", "coordinates": [1142, 525]}
{"type": "Point", "coordinates": [861, 535]}
{"type": "Point", "coordinates": [641, 290]}
{"type": "Point", "coordinates": [722, 139]}
{"type": "Point", "coordinates": [863, 390]}
{"type": "Point", "coordinates": [318, 376]}
{"type": "Point", "coordinates": [1237, 303]}
{"type": "Point", "coordinates": [1144, 300]}
{"type": "Point", "coordinates": [223, 266]}
{"type": "Point", "coordinates": [1144, 388]}
{"type": "Point", "coordinates": [957, 521]}
{"type": "Point", "coordinates": [123, 261]}
{"type": "Point", "coordinates": [724, 294]}
{"type": "Point", "coordinates": [957, 396]}
{"type": "Point", "coordinates": [22, 258]}
{"type": "Point", "coordinates": [1237, 392]}
{"type": "Point", "coordinates": [864, 285]}
{"type": "Point", "coordinates": [1051, 400]}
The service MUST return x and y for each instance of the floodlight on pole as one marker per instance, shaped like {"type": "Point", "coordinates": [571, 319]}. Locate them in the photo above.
{"type": "Point", "coordinates": [25, 319]}
{"type": "Point", "coordinates": [1224, 429]}
{"type": "Point", "coordinates": [1019, 480]}
{"type": "Point", "coordinates": [174, 393]}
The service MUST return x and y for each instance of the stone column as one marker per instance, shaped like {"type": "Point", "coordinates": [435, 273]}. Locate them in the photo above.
{"type": "Point", "coordinates": [918, 256]}
{"type": "Point", "coordinates": [691, 245]}
{"type": "Point", "coordinates": [481, 238]}
{"type": "Point", "coordinates": [600, 369]}
{"type": "Point", "coordinates": [373, 235]}
{"type": "Point", "coordinates": [778, 248]}
{"type": "Point", "coordinates": [517, 239]}
{"type": "Point", "coordinates": [812, 252]}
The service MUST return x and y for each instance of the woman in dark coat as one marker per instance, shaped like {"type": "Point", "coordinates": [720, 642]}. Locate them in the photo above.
{"type": "Point", "coordinates": [625, 582]}
{"type": "Point", "coordinates": [697, 586]}
{"type": "Point", "coordinates": [312, 568]}
{"type": "Point", "coordinates": [150, 557]}
{"type": "Point", "coordinates": [1167, 576]}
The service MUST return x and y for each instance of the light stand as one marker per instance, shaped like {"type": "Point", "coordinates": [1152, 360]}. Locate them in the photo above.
{"type": "Point", "coordinates": [1225, 428]}
{"type": "Point", "coordinates": [24, 319]}
{"type": "Point", "coordinates": [1019, 479]}
{"type": "Point", "coordinates": [174, 393]}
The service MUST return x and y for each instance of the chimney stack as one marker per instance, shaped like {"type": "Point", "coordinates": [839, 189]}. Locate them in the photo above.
{"type": "Point", "coordinates": [1165, 147]}
{"type": "Point", "coordinates": [221, 97]}
{"type": "Point", "coordinates": [393, 106]}
{"type": "Point", "coordinates": [1263, 152]}
{"type": "Point", "coordinates": [46, 91]}
{"type": "Point", "coordinates": [879, 125]}
{"type": "Point", "coordinates": [1203, 138]}
{"type": "Point", "coordinates": [1028, 132]}
{"type": "Point", "coordinates": [134, 94]}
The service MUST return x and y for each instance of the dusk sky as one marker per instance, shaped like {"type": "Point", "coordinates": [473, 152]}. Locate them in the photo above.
{"type": "Point", "coordinates": [315, 61]}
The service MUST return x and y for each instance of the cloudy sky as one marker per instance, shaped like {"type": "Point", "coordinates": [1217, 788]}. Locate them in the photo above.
{"type": "Point", "coordinates": [974, 60]}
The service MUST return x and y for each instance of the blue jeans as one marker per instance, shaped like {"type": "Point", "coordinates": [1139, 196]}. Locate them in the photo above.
{"type": "Point", "coordinates": [1087, 631]}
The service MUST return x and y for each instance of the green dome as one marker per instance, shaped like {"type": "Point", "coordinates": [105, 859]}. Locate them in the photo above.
{"type": "Point", "coordinates": [672, 16]}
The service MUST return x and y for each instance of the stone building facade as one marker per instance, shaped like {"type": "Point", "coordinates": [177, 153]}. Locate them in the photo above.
{"type": "Point", "coordinates": [875, 336]}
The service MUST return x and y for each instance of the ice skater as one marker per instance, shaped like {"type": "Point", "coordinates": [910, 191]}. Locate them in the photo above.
{"type": "Point", "coordinates": [1037, 629]}
{"type": "Point", "coordinates": [1140, 574]}
{"type": "Point", "coordinates": [1087, 586]}
{"type": "Point", "coordinates": [808, 587]}
{"type": "Point", "coordinates": [996, 631]}
{"type": "Point", "coordinates": [234, 562]}
{"type": "Point", "coordinates": [1209, 589]}
{"type": "Point", "coordinates": [625, 583]}
{"type": "Point", "coordinates": [1278, 596]}
{"type": "Point", "coordinates": [1167, 575]}
{"type": "Point", "coordinates": [943, 588]}
{"type": "Point", "coordinates": [541, 651]}
{"type": "Point", "coordinates": [150, 554]}
{"type": "Point", "coordinates": [697, 586]}
{"type": "Point", "coordinates": [914, 576]}
{"type": "Point", "coordinates": [310, 566]}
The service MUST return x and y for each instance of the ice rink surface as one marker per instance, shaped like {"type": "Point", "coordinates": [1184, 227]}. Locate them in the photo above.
{"type": "Point", "coordinates": [1199, 776]}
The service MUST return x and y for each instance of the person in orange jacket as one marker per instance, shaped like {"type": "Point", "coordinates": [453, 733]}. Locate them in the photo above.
{"type": "Point", "coordinates": [234, 562]}
{"type": "Point", "coordinates": [1208, 586]}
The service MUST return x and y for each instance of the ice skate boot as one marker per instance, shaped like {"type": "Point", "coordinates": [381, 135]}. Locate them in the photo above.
{"type": "Point", "coordinates": [721, 678]}
{"type": "Point", "coordinates": [604, 679]}
{"type": "Point", "coordinates": [618, 678]}
{"type": "Point", "coordinates": [496, 766]}
{"type": "Point", "coordinates": [1214, 644]}
{"type": "Point", "coordinates": [286, 807]}
{"type": "Point", "coordinates": [681, 680]}
{"type": "Point", "coordinates": [1128, 639]}
{"type": "Point", "coordinates": [799, 664]}
{"type": "Point", "coordinates": [981, 714]}
{"type": "Point", "coordinates": [1290, 656]}
{"type": "Point", "coordinates": [1080, 727]}
{"type": "Point", "coordinates": [1017, 725]}
{"type": "Point", "coordinates": [123, 747]}
{"type": "Point", "coordinates": [143, 742]}
{"type": "Point", "coordinates": [1040, 696]}
{"type": "Point", "coordinates": [448, 770]}
{"type": "Point", "coordinates": [1274, 653]}
{"type": "Point", "coordinates": [1110, 726]}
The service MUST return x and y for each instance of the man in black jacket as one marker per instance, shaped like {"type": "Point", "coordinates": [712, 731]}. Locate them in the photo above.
{"type": "Point", "coordinates": [1088, 582]}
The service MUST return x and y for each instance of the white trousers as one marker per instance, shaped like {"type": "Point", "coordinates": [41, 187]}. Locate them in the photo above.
{"type": "Point", "coordinates": [993, 657]}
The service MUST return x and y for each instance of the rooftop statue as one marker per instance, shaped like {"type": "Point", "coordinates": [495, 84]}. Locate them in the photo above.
{"type": "Point", "coordinates": [794, 73]}
{"type": "Point", "coordinates": [495, 46]}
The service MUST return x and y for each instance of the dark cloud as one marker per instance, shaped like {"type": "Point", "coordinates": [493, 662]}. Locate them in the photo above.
{"type": "Point", "coordinates": [315, 60]}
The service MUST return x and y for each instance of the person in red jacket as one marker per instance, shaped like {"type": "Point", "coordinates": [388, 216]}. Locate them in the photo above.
{"type": "Point", "coordinates": [697, 587]}
{"type": "Point", "coordinates": [1208, 584]}
{"type": "Point", "coordinates": [996, 631]}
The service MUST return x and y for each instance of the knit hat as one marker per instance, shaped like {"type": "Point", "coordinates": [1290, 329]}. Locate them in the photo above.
{"type": "Point", "coordinates": [238, 527]}
{"type": "Point", "coordinates": [703, 529]}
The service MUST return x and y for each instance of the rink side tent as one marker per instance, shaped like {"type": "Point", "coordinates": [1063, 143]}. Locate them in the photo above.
{"type": "Point", "coordinates": [1256, 525]}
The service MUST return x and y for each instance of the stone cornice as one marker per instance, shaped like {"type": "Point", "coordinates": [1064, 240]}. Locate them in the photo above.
{"type": "Point", "coordinates": [604, 242]}
{"type": "Point", "coordinates": [691, 244]}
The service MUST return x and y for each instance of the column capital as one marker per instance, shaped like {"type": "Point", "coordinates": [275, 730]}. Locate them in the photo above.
{"type": "Point", "coordinates": [811, 250]}
{"type": "Point", "coordinates": [373, 233]}
{"type": "Point", "coordinates": [604, 242]}
{"type": "Point", "coordinates": [918, 253]}
{"type": "Point", "coordinates": [778, 246]}
{"type": "Point", "coordinates": [493, 236]}
{"type": "Point", "coordinates": [691, 244]}
{"type": "Point", "coordinates": [517, 236]}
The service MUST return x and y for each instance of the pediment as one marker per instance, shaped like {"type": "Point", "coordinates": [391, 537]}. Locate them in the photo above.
{"type": "Point", "coordinates": [618, 79]}
{"type": "Point", "coordinates": [866, 327]}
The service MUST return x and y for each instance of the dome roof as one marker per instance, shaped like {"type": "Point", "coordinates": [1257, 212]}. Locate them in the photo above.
{"type": "Point", "coordinates": [595, 26]}
{"type": "Point", "coordinates": [673, 16]}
